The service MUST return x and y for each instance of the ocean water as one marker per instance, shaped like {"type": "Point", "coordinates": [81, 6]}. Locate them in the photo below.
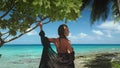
{"type": "Point", "coordinates": [36, 49]}
{"type": "Point", "coordinates": [28, 55]}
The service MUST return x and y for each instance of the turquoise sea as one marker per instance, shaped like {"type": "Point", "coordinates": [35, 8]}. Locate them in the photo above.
{"type": "Point", "coordinates": [28, 55]}
{"type": "Point", "coordinates": [36, 49]}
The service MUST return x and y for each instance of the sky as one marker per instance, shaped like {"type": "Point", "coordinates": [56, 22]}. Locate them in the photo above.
{"type": "Point", "coordinates": [81, 31]}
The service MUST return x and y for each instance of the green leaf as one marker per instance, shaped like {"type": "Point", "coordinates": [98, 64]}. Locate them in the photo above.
{"type": "Point", "coordinates": [35, 3]}
{"type": "Point", "coordinates": [12, 32]}
{"type": "Point", "coordinates": [24, 13]}
{"type": "Point", "coordinates": [24, 0]}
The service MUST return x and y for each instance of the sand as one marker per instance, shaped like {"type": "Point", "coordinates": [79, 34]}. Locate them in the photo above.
{"type": "Point", "coordinates": [81, 61]}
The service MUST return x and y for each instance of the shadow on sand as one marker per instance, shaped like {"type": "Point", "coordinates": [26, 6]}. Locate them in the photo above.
{"type": "Point", "coordinates": [101, 61]}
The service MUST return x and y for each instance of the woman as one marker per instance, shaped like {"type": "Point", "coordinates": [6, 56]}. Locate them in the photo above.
{"type": "Point", "coordinates": [65, 54]}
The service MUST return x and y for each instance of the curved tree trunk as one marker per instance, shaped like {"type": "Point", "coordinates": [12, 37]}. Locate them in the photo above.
{"type": "Point", "coordinates": [1, 42]}
{"type": "Point", "coordinates": [0, 55]}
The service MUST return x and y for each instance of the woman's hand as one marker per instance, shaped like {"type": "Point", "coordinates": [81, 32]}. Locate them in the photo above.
{"type": "Point", "coordinates": [40, 24]}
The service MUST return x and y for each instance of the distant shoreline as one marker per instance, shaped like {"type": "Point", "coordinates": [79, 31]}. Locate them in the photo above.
{"type": "Point", "coordinates": [71, 44]}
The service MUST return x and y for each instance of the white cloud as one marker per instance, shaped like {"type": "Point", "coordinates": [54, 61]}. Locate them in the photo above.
{"type": "Point", "coordinates": [33, 32]}
{"type": "Point", "coordinates": [72, 36]}
{"type": "Point", "coordinates": [109, 35]}
{"type": "Point", "coordinates": [110, 28]}
{"type": "Point", "coordinates": [98, 32]}
{"type": "Point", "coordinates": [110, 25]}
{"type": "Point", "coordinates": [79, 38]}
{"type": "Point", "coordinates": [82, 35]}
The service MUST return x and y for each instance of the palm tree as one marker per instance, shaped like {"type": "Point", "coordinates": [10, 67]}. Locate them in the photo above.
{"type": "Point", "coordinates": [101, 8]}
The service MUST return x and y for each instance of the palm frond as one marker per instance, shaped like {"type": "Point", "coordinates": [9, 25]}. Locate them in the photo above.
{"type": "Point", "coordinates": [116, 10]}
{"type": "Point", "coordinates": [100, 9]}
{"type": "Point", "coordinates": [85, 4]}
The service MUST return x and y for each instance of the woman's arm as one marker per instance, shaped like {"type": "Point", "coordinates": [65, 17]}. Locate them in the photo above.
{"type": "Point", "coordinates": [52, 40]}
{"type": "Point", "coordinates": [41, 29]}
{"type": "Point", "coordinates": [40, 24]}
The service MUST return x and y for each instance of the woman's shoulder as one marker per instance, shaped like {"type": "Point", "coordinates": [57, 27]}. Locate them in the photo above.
{"type": "Point", "coordinates": [64, 39]}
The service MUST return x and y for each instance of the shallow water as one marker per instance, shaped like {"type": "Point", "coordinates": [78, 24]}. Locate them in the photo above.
{"type": "Point", "coordinates": [28, 55]}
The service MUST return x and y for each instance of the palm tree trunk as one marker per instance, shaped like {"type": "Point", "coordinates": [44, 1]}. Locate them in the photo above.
{"type": "Point", "coordinates": [118, 1]}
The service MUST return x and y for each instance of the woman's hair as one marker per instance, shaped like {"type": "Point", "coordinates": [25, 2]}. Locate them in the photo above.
{"type": "Point", "coordinates": [61, 31]}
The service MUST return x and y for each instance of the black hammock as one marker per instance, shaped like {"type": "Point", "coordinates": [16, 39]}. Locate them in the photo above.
{"type": "Point", "coordinates": [50, 59]}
